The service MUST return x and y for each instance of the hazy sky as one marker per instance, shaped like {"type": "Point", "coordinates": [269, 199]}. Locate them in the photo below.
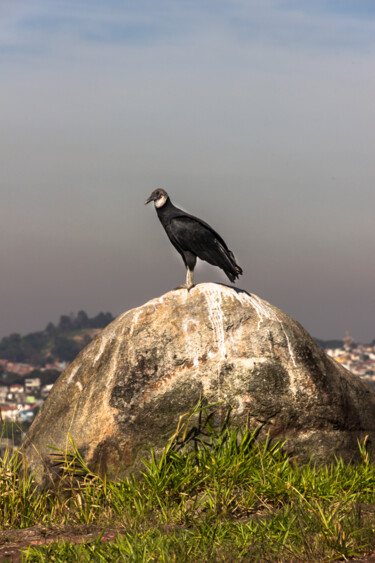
{"type": "Point", "coordinates": [257, 116]}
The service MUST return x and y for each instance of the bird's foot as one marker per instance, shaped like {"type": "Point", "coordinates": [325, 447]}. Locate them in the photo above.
{"type": "Point", "coordinates": [189, 281]}
{"type": "Point", "coordinates": [185, 286]}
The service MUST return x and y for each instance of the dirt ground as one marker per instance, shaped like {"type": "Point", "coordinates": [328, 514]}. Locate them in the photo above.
{"type": "Point", "coordinates": [13, 541]}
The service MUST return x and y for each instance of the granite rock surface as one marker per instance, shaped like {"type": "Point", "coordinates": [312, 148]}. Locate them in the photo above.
{"type": "Point", "coordinates": [125, 392]}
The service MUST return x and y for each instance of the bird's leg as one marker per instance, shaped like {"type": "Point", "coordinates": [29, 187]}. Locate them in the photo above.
{"type": "Point", "coordinates": [189, 279]}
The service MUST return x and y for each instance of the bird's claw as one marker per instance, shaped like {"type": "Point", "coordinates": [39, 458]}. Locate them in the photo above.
{"type": "Point", "coordinates": [184, 286]}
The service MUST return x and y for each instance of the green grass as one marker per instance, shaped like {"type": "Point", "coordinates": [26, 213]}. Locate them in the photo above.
{"type": "Point", "coordinates": [13, 431]}
{"type": "Point", "coordinates": [229, 498]}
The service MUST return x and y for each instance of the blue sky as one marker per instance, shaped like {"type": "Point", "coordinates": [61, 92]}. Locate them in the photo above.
{"type": "Point", "coordinates": [326, 24]}
{"type": "Point", "coordinates": [256, 116]}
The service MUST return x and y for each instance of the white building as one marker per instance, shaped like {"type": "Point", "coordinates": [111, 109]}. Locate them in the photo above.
{"type": "Point", "coordinates": [4, 390]}
{"type": "Point", "coordinates": [9, 412]}
{"type": "Point", "coordinates": [32, 383]}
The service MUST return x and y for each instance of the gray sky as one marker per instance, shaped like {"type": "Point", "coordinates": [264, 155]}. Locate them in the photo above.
{"type": "Point", "coordinates": [258, 117]}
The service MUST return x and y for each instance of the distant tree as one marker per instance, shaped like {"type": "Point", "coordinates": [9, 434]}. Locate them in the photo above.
{"type": "Point", "coordinates": [35, 373]}
{"type": "Point", "coordinates": [86, 339]}
{"type": "Point", "coordinates": [49, 376]}
{"type": "Point", "coordinates": [325, 344]}
{"type": "Point", "coordinates": [101, 320]}
{"type": "Point", "coordinates": [65, 324]}
{"type": "Point", "coordinates": [46, 376]}
{"type": "Point", "coordinates": [34, 347]}
{"type": "Point", "coordinates": [34, 340]}
{"type": "Point", "coordinates": [82, 320]}
{"type": "Point", "coordinates": [65, 349]}
{"type": "Point", "coordinates": [11, 348]}
{"type": "Point", "coordinates": [50, 329]}
{"type": "Point", "coordinates": [34, 357]}
{"type": "Point", "coordinates": [9, 378]}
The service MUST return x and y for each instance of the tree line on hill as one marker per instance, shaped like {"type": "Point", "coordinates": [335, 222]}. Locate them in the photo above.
{"type": "Point", "coordinates": [332, 344]}
{"type": "Point", "coordinates": [55, 343]}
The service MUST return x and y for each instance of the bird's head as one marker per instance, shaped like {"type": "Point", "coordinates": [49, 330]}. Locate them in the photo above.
{"type": "Point", "coordinates": [159, 197]}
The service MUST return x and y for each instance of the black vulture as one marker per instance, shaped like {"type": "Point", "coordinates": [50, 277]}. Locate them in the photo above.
{"type": "Point", "coordinates": [193, 238]}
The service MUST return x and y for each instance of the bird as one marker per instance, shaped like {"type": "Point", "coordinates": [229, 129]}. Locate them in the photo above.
{"type": "Point", "coordinates": [193, 238]}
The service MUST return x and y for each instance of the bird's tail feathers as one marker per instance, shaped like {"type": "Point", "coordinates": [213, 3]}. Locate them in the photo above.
{"type": "Point", "coordinates": [231, 268]}
{"type": "Point", "coordinates": [233, 276]}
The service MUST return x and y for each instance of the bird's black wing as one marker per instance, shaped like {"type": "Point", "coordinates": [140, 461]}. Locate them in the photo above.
{"type": "Point", "coordinates": [186, 224]}
{"type": "Point", "coordinates": [194, 235]}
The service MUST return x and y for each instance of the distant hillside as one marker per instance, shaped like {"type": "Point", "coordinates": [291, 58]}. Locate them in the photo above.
{"type": "Point", "coordinates": [60, 342]}
{"type": "Point", "coordinates": [63, 341]}
{"type": "Point", "coordinates": [332, 344]}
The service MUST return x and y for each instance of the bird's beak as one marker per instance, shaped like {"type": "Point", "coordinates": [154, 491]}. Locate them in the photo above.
{"type": "Point", "coordinates": [148, 200]}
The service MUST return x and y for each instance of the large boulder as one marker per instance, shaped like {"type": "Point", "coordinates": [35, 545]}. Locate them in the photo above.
{"type": "Point", "coordinates": [125, 392]}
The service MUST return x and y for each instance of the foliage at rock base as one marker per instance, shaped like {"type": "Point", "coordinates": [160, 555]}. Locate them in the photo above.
{"type": "Point", "coordinates": [229, 498]}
